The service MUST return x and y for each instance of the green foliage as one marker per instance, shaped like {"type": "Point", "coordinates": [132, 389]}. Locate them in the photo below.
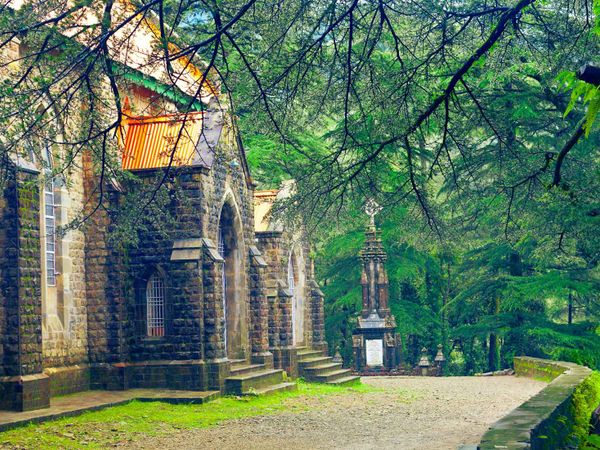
{"type": "Point", "coordinates": [592, 443]}
{"type": "Point", "coordinates": [586, 399]}
{"type": "Point", "coordinates": [583, 92]}
{"type": "Point", "coordinates": [504, 265]}
{"type": "Point", "coordinates": [503, 293]}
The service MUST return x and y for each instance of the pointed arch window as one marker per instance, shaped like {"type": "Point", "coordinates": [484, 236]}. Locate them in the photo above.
{"type": "Point", "coordinates": [49, 219]}
{"type": "Point", "coordinates": [155, 306]}
{"type": "Point", "coordinates": [291, 276]}
{"type": "Point", "coordinates": [221, 250]}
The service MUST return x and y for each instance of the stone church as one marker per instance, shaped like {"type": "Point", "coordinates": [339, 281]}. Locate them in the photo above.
{"type": "Point", "coordinates": [224, 300]}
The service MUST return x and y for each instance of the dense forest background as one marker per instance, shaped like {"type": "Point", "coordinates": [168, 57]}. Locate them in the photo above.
{"type": "Point", "coordinates": [501, 264]}
{"type": "Point", "coordinates": [484, 295]}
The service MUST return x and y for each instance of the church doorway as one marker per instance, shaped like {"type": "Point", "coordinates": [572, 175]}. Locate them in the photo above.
{"type": "Point", "coordinates": [231, 247]}
{"type": "Point", "coordinates": [296, 284]}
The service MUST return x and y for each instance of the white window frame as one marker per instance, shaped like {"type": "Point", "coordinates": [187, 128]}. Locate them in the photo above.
{"type": "Point", "coordinates": [50, 232]}
{"type": "Point", "coordinates": [155, 306]}
{"type": "Point", "coordinates": [49, 219]}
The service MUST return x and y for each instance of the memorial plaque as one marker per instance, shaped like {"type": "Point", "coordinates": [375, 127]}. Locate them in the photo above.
{"type": "Point", "coordinates": [374, 349]}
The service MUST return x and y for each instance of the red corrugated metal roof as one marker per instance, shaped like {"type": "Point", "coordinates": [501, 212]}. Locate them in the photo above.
{"type": "Point", "coordinates": [152, 142]}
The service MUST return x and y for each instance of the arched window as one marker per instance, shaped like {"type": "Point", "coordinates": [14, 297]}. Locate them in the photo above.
{"type": "Point", "coordinates": [291, 280]}
{"type": "Point", "coordinates": [235, 309]}
{"type": "Point", "coordinates": [221, 249]}
{"type": "Point", "coordinates": [39, 144]}
{"type": "Point", "coordinates": [291, 276]}
{"type": "Point", "coordinates": [296, 283]}
{"type": "Point", "coordinates": [155, 306]}
{"type": "Point", "coordinates": [49, 219]}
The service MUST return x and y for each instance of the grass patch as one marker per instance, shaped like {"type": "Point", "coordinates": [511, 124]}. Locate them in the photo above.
{"type": "Point", "coordinates": [137, 420]}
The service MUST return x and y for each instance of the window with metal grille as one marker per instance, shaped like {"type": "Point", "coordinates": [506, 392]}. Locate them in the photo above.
{"type": "Point", "coordinates": [155, 306]}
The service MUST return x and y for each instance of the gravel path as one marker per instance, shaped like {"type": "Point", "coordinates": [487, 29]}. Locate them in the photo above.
{"type": "Point", "coordinates": [406, 413]}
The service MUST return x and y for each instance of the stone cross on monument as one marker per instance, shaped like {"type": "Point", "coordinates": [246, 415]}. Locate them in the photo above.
{"type": "Point", "coordinates": [372, 208]}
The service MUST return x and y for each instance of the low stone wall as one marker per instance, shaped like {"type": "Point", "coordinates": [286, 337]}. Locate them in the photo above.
{"type": "Point", "coordinates": [68, 380]}
{"type": "Point", "coordinates": [190, 375]}
{"type": "Point", "coordinates": [557, 417]}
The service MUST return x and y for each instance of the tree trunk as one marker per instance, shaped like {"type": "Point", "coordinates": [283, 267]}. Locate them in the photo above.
{"type": "Point", "coordinates": [570, 317]}
{"type": "Point", "coordinates": [494, 347]}
{"type": "Point", "coordinates": [445, 298]}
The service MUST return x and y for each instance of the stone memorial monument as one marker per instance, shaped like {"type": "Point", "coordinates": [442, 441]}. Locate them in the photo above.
{"type": "Point", "coordinates": [375, 343]}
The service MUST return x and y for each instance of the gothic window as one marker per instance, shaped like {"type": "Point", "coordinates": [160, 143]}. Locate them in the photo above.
{"type": "Point", "coordinates": [221, 249]}
{"type": "Point", "coordinates": [38, 149]}
{"type": "Point", "coordinates": [296, 283]}
{"type": "Point", "coordinates": [291, 281]}
{"type": "Point", "coordinates": [49, 219]}
{"type": "Point", "coordinates": [155, 306]}
{"type": "Point", "coordinates": [235, 314]}
{"type": "Point", "coordinates": [50, 231]}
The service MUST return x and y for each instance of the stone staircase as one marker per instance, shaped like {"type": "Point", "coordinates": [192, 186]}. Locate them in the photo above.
{"type": "Point", "coordinates": [255, 379]}
{"type": "Point", "coordinates": [315, 365]}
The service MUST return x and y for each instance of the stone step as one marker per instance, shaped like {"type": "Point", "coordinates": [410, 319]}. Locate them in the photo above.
{"type": "Point", "coordinates": [273, 389]}
{"type": "Point", "coordinates": [321, 368]}
{"type": "Point", "coordinates": [309, 362]}
{"type": "Point", "coordinates": [345, 381]}
{"type": "Point", "coordinates": [309, 353]}
{"type": "Point", "coordinates": [238, 362]}
{"type": "Point", "coordinates": [332, 375]}
{"type": "Point", "coordinates": [245, 383]}
{"type": "Point", "coordinates": [241, 369]}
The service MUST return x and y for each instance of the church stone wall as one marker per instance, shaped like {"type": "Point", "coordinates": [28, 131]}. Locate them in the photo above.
{"type": "Point", "coordinates": [279, 301]}
{"type": "Point", "coordinates": [23, 386]}
{"type": "Point", "coordinates": [106, 307]}
{"type": "Point", "coordinates": [193, 289]}
{"type": "Point", "coordinates": [65, 350]}
{"type": "Point", "coordinates": [183, 337]}
{"type": "Point", "coordinates": [277, 247]}
{"type": "Point", "coordinates": [92, 339]}
{"type": "Point", "coordinates": [227, 182]}
{"type": "Point", "coordinates": [8, 232]}
{"type": "Point", "coordinates": [259, 313]}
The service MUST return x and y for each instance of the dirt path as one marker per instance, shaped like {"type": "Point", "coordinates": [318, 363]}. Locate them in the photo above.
{"type": "Point", "coordinates": [405, 413]}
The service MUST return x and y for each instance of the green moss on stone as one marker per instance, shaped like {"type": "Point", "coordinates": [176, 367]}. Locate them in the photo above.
{"type": "Point", "coordinates": [558, 417]}
{"type": "Point", "coordinates": [546, 371]}
{"type": "Point", "coordinates": [569, 427]}
{"type": "Point", "coordinates": [584, 401]}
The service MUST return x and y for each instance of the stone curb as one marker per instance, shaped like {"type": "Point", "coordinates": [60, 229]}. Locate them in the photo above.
{"type": "Point", "coordinates": [525, 426]}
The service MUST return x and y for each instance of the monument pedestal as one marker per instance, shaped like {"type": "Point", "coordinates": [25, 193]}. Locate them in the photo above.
{"type": "Point", "coordinates": [375, 344]}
